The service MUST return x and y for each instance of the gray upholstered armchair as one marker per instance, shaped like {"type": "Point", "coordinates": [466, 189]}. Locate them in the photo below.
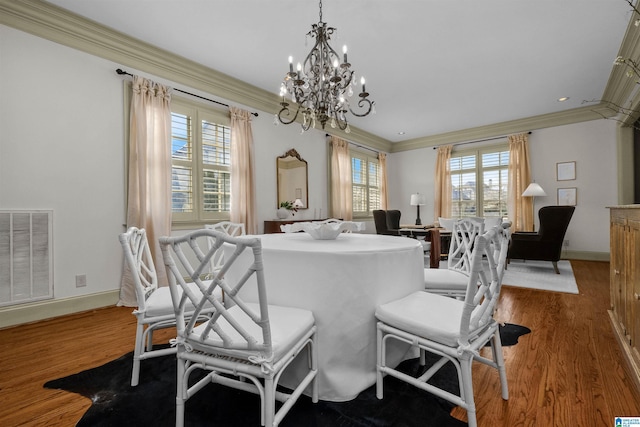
{"type": "Point", "coordinates": [546, 244]}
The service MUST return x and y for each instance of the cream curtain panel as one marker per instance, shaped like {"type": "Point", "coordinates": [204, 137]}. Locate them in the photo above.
{"type": "Point", "coordinates": [341, 191]}
{"type": "Point", "coordinates": [243, 194]}
{"type": "Point", "coordinates": [442, 202]}
{"type": "Point", "coordinates": [382, 167]}
{"type": "Point", "coordinates": [520, 208]}
{"type": "Point", "coordinates": [149, 192]}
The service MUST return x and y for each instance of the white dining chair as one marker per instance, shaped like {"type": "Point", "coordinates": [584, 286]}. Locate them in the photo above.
{"type": "Point", "coordinates": [452, 281]}
{"type": "Point", "coordinates": [230, 229]}
{"type": "Point", "coordinates": [155, 310]}
{"type": "Point", "coordinates": [452, 329]}
{"type": "Point", "coordinates": [446, 223]}
{"type": "Point", "coordinates": [245, 345]}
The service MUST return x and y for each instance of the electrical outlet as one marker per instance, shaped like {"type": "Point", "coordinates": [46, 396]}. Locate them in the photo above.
{"type": "Point", "coordinates": [565, 243]}
{"type": "Point", "coordinates": [81, 280]}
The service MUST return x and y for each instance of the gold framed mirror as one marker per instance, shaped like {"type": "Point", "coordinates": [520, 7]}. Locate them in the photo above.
{"type": "Point", "coordinates": [292, 179]}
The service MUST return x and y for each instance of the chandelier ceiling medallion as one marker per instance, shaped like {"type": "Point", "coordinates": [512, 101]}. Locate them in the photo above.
{"type": "Point", "coordinates": [321, 86]}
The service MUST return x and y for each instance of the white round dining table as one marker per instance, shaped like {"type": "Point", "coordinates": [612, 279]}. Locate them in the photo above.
{"type": "Point", "coordinates": [341, 281]}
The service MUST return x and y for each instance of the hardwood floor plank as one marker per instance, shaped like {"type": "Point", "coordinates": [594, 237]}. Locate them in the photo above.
{"type": "Point", "coordinates": [569, 370]}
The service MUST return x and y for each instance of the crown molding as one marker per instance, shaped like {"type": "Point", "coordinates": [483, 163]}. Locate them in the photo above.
{"type": "Point", "coordinates": [53, 23]}
{"type": "Point", "coordinates": [582, 114]}
{"type": "Point", "coordinates": [56, 24]}
{"type": "Point", "coordinates": [622, 91]}
{"type": "Point", "coordinates": [59, 25]}
{"type": "Point", "coordinates": [359, 136]}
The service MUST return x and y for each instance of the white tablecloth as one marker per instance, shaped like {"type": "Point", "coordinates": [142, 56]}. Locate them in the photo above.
{"type": "Point", "coordinates": [341, 281]}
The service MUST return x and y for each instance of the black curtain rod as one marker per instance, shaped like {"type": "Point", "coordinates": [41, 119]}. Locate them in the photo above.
{"type": "Point", "coordinates": [479, 140]}
{"type": "Point", "coordinates": [121, 72]}
{"type": "Point", "coordinates": [358, 145]}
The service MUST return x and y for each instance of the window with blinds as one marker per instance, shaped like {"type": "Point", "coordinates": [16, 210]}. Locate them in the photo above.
{"type": "Point", "coordinates": [479, 181]}
{"type": "Point", "coordinates": [201, 163]}
{"type": "Point", "coordinates": [365, 172]}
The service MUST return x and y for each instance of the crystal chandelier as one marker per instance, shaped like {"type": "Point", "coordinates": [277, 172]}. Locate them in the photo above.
{"type": "Point", "coordinates": [322, 86]}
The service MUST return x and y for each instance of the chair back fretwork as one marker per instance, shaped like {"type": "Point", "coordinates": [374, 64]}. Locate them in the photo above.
{"type": "Point", "coordinates": [241, 338]}
{"type": "Point", "coordinates": [463, 236]}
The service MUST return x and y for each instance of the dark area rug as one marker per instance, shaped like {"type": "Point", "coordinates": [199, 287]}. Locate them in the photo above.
{"type": "Point", "coordinates": [152, 402]}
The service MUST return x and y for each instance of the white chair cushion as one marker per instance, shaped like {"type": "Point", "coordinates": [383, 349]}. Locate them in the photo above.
{"type": "Point", "coordinates": [446, 223]}
{"type": "Point", "coordinates": [288, 326]}
{"type": "Point", "coordinates": [442, 278]}
{"type": "Point", "coordinates": [159, 302]}
{"type": "Point", "coordinates": [424, 314]}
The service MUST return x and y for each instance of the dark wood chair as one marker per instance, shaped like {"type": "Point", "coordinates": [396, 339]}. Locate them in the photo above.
{"type": "Point", "coordinates": [546, 244]}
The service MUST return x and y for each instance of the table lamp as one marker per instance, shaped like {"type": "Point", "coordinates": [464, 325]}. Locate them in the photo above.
{"type": "Point", "coordinates": [418, 200]}
{"type": "Point", "coordinates": [532, 191]}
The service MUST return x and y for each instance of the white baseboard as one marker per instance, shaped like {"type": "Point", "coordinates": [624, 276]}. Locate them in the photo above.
{"type": "Point", "coordinates": [586, 255]}
{"type": "Point", "coordinates": [33, 312]}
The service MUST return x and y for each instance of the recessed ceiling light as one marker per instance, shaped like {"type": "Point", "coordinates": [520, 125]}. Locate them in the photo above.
{"type": "Point", "coordinates": [564, 98]}
{"type": "Point", "coordinates": [401, 132]}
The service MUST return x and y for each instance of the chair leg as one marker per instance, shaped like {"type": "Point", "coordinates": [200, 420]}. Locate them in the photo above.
{"type": "Point", "coordinates": [181, 385]}
{"type": "Point", "coordinates": [467, 389]}
{"type": "Point", "coordinates": [269, 401]}
{"type": "Point", "coordinates": [149, 339]}
{"type": "Point", "coordinates": [314, 366]}
{"type": "Point", "coordinates": [379, 364]}
{"type": "Point", "coordinates": [555, 266]}
{"type": "Point", "coordinates": [498, 357]}
{"type": "Point", "coordinates": [137, 352]}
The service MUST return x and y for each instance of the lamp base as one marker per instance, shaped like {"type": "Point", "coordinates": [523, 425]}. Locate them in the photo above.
{"type": "Point", "coordinates": [418, 222]}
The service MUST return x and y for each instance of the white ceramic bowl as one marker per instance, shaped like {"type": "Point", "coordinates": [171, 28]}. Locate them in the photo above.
{"type": "Point", "coordinates": [325, 230]}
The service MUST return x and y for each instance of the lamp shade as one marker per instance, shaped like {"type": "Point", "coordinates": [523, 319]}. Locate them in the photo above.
{"type": "Point", "coordinates": [417, 199]}
{"type": "Point", "coordinates": [533, 190]}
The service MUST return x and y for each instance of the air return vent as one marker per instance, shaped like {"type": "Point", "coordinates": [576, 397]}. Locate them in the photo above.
{"type": "Point", "coordinates": [26, 259]}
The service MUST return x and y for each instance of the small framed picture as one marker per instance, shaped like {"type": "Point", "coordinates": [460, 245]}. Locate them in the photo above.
{"type": "Point", "coordinates": [565, 171]}
{"type": "Point", "coordinates": [567, 196]}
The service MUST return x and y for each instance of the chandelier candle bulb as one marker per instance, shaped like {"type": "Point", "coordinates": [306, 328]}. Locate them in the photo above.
{"type": "Point", "coordinates": [344, 51]}
{"type": "Point", "coordinates": [291, 64]}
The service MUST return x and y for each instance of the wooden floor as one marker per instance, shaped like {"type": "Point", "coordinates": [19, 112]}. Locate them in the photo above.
{"type": "Point", "coordinates": [568, 372]}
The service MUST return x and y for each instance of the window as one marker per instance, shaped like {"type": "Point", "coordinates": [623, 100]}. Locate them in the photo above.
{"type": "Point", "coordinates": [489, 166]}
{"type": "Point", "coordinates": [201, 163]}
{"type": "Point", "coordinates": [365, 183]}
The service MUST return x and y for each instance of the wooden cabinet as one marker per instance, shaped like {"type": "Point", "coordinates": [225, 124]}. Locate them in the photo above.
{"type": "Point", "coordinates": [625, 281]}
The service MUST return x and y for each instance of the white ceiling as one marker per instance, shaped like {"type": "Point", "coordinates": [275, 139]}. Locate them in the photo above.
{"type": "Point", "coordinates": [432, 66]}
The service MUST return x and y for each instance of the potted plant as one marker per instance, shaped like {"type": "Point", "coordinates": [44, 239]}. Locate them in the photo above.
{"type": "Point", "coordinates": [286, 208]}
